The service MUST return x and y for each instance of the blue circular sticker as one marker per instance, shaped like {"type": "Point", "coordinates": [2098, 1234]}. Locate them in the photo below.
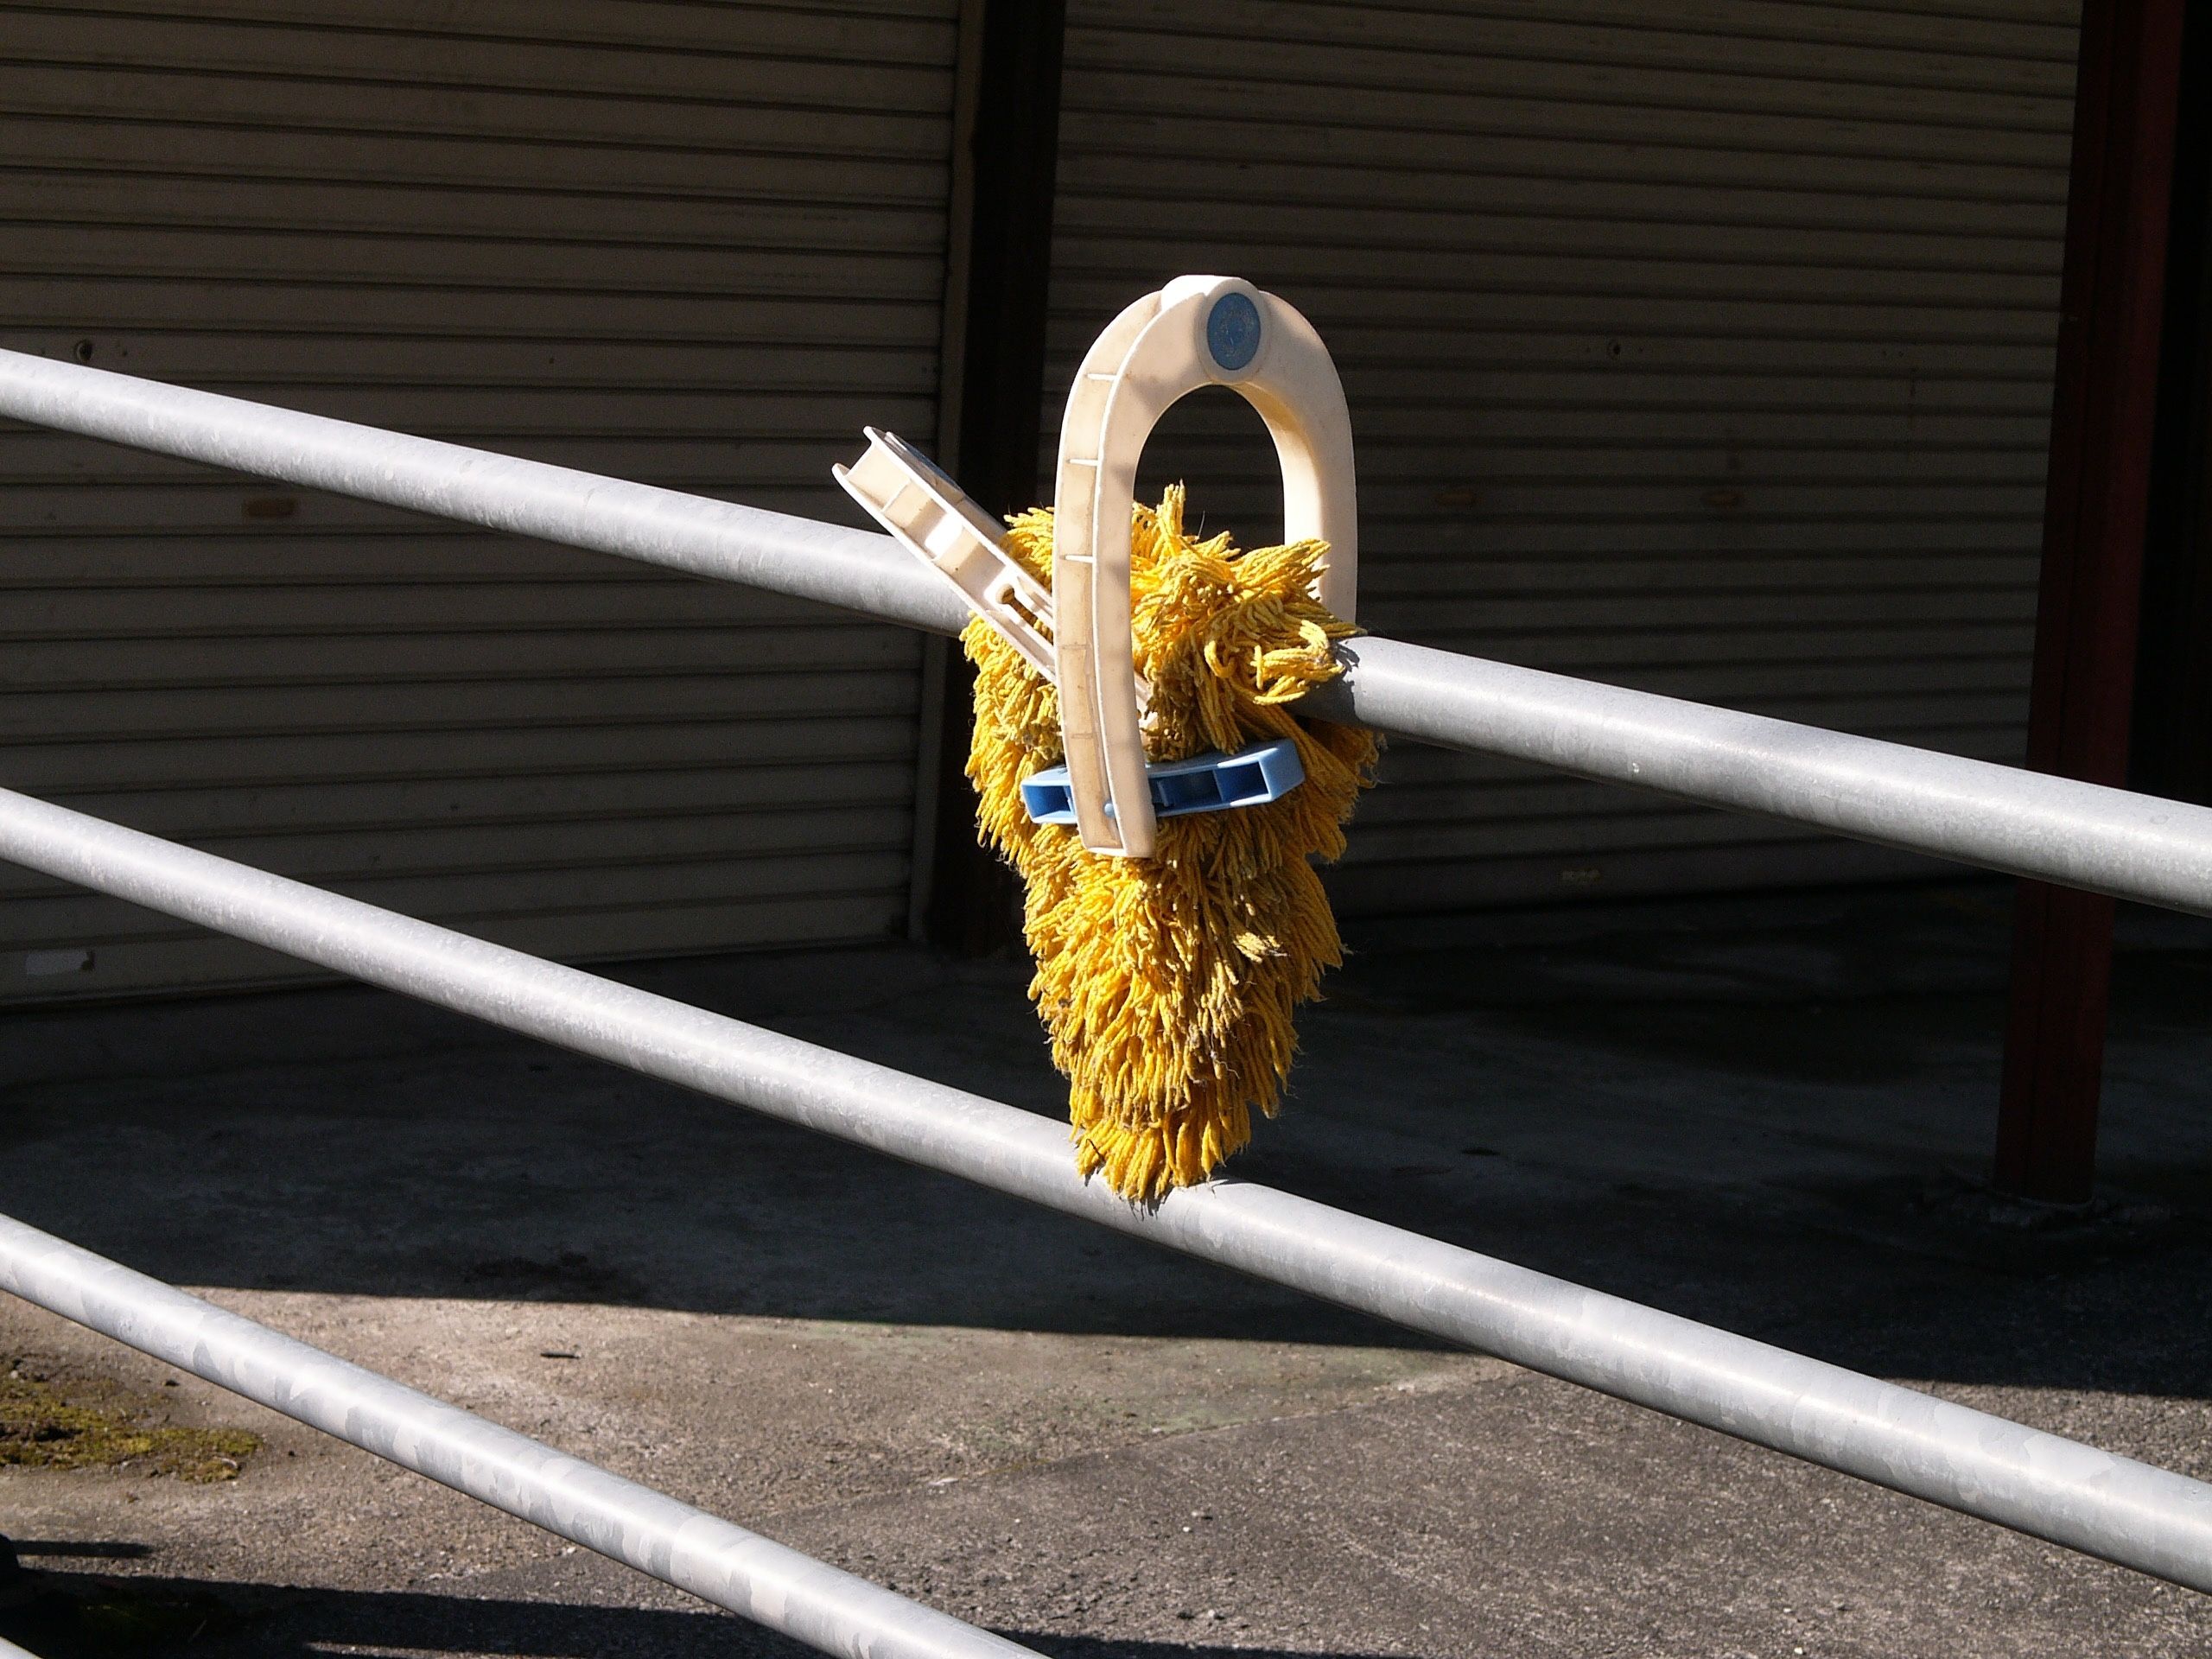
{"type": "Point", "coordinates": [1233, 331]}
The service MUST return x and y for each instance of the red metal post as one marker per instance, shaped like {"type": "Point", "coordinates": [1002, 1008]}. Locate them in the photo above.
{"type": "Point", "coordinates": [2117, 206]}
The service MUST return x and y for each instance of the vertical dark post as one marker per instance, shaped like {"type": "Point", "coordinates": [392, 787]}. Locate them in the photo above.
{"type": "Point", "coordinates": [2126, 94]}
{"type": "Point", "coordinates": [1014, 163]}
{"type": "Point", "coordinates": [2172, 753]}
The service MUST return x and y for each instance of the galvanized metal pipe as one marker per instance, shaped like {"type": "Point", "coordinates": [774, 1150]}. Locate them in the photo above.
{"type": "Point", "coordinates": [754, 1577]}
{"type": "Point", "coordinates": [2055, 829]}
{"type": "Point", "coordinates": [1964, 1459]}
{"type": "Point", "coordinates": [860, 570]}
{"type": "Point", "coordinates": [2078, 835]}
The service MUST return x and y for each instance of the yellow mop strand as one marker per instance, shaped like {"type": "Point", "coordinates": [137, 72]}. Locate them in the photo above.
{"type": "Point", "coordinates": [1168, 983]}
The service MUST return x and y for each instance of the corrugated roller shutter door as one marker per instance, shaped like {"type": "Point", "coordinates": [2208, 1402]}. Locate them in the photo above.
{"type": "Point", "coordinates": [695, 245]}
{"type": "Point", "coordinates": [1703, 348]}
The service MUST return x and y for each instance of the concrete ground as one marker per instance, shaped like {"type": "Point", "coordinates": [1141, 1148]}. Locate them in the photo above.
{"type": "Point", "coordinates": [1772, 1115]}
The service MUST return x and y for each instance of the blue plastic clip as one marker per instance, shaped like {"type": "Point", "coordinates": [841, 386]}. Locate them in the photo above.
{"type": "Point", "coordinates": [1205, 783]}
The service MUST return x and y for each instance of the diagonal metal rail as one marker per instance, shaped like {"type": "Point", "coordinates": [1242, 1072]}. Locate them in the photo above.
{"type": "Point", "coordinates": [754, 1577]}
{"type": "Point", "coordinates": [1964, 1459]}
{"type": "Point", "coordinates": [2026, 824]}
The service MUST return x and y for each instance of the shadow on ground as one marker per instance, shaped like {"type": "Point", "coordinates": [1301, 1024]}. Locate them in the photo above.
{"type": "Point", "coordinates": [1772, 1115]}
{"type": "Point", "coordinates": [1768, 1114]}
{"type": "Point", "coordinates": [82, 1616]}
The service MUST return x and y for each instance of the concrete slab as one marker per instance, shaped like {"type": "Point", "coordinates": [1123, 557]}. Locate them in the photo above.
{"type": "Point", "coordinates": [1770, 1114]}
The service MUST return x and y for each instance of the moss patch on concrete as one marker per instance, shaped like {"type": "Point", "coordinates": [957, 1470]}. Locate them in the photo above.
{"type": "Point", "coordinates": [41, 1428]}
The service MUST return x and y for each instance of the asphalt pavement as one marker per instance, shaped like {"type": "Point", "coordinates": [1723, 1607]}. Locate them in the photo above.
{"type": "Point", "coordinates": [1771, 1114]}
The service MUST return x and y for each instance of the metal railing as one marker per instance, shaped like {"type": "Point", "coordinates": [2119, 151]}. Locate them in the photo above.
{"type": "Point", "coordinates": [754, 1577]}
{"type": "Point", "coordinates": [2023, 824]}
{"type": "Point", "coordinates": [2106, 1505]}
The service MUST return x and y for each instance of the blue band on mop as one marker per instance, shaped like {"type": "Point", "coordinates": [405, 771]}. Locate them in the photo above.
{"type": "Point", "coordinates": [1206, 783]}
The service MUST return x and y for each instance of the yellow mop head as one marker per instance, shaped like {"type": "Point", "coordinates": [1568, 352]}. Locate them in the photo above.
{"type": "Point", "coordinates": [1168, 983]}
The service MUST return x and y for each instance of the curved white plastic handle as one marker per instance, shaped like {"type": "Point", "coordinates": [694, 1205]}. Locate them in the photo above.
{"type": "Point", "coordinates": [1196, 331]}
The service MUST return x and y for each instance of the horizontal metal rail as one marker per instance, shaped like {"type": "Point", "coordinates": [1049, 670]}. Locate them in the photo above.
{"type": "Point", "coordinates": [754, 1577]}
{"type": "Point", "coordinates": [2056, 1488]}
{"type": "Point", "coordinates": [2000, 818]}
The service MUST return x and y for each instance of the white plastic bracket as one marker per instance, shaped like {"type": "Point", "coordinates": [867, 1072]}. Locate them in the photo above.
{"type": "Point", "coordinates": [1196, 331]}
{"type": "Point", "coordinates": [936, 520]}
